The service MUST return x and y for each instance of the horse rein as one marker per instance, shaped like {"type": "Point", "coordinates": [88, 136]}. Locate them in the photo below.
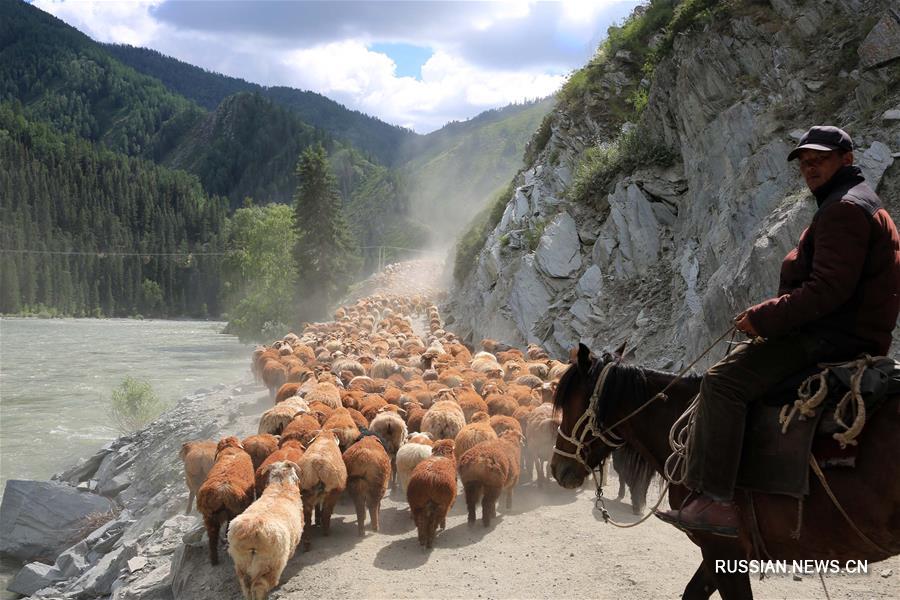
{"type": "Point", "coordinates": [611, 439]}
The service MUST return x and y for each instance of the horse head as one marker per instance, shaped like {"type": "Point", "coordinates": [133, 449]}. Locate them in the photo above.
{"type": "Point", "coordinates": [581, 444]}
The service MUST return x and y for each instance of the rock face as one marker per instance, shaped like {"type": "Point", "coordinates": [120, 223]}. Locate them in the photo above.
{"type": "Point", "coordinates": [669, 254]}
{"type": "Point", "coordinates": [40, 519]}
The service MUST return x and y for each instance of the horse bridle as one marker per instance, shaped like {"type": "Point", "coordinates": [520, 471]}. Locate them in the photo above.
{"type": "Point", "coordinates": [591, 430]}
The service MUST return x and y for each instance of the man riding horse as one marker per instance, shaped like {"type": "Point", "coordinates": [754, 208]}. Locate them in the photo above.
{"type": "Point", "coordinates": [838, 296]}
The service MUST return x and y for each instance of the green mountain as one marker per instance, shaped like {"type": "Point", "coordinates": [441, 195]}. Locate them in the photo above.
{"type": "Point", "coordinates": [247, 146]}
{"type": "Point", "coordinates": [208, 89]}
{"type": "Point", "coordinates": [456, 170]}
{"type": "Point", "coordinates": [63, 77]}
{"type": "Point", "coordinates": [86, 231]}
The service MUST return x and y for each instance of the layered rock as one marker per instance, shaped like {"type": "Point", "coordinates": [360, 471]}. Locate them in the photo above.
{"type": "Point", "coordinates": [670, 254]}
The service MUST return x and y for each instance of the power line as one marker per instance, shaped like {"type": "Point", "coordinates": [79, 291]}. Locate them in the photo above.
{"type": "Point", "coordinates": [103, 254]}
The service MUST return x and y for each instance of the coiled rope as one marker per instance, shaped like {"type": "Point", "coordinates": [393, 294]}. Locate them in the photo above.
{"type": "Point", "coordinates": [851, 403]}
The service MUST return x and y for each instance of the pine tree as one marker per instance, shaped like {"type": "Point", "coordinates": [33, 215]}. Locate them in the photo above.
{"type": "Point", "coordinates": [326, 253]}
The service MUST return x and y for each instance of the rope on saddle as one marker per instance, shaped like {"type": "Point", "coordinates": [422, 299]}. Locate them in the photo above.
{"type": "Point", "coordinates": [851, 404]}
{"type": "Point", "coordinates": [818, 471]}
{"type": "Point", "coordinates": [675, 467]}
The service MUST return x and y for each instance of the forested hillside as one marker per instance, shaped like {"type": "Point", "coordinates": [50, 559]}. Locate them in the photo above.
{"type": "Point", "coordinates": [87, 231]}
{"type": "Point", "coordinates": [373, 136]}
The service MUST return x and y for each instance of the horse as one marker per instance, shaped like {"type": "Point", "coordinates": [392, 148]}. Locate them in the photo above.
{"type": "Point", "coordinates": [641, 417]}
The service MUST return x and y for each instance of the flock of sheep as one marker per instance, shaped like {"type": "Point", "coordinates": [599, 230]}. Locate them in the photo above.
{"type": "Point", "coordinates": [363, 403]}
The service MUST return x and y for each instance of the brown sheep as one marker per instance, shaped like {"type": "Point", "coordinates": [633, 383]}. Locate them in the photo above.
{"type": "Point", "coordinates": [479, 430]}
{"type": "Point", "coordinates": [500, 404]}
{"type": "Point", "coordinates": [291, 451]}
{"type": "Point", "coordinates": [274, 375]}
{"type": "Point", "coordinates": [341, 423]}
{"type": "Point", "coordinates": [259, 447]}
{"type": "Point", "coordinates": [501, 423]}
{"type": "Point", "coordinates": [368, 472]}
{"type": "Point", "coordinates": [431, 491]}
{"type": "Point", "coordinates": [414, 415]}
{"type": "Point", "coordinates": [227, 491]}
{"type": "Point", "coordinates": [540, 432]}
{"type": "Point", "coordinates": [286, 391]}
{"type": "Point", "coordinates": [487, 470]}
{"type": "Point", "coordinates": [323, 477]}
{"type": "Point", "coordinates": [198, 457]}
{"type": "Point", "coordinates": [470, 402]}
{"type": "Point", "coordinates": [302, 428]}
{"type": "Point", "coordinates": [361, 421]}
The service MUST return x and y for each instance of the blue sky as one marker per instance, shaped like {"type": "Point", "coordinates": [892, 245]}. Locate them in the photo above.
{"type": "Point", "coordinates": [418, 64]}
{"type": "Point", "coordinates": [407, 57]}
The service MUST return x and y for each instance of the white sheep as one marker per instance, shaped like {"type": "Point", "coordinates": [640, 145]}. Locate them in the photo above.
{"type": "Point", "coordinates": [276, 418]}
{"type": "Point", "coordinates": [391, 427]}
{"type": "Point", "coordinates": [444, 420]}
{"type": "Point", "coordinates": [408, 456]}
{"type": "Point", "coordinates": [264, 537]}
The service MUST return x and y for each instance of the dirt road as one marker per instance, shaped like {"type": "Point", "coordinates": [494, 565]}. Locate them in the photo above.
{"type": "Point", "coordinates": [551, 545]}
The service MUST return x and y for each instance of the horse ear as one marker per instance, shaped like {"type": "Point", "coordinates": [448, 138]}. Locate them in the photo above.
{"type": "Point", "coordinates": [584, 358]}
{"type": "Point", "coordinates": [620, 351]}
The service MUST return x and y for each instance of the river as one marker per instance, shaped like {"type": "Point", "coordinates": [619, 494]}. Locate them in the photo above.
{"type": "Point", "coordinates": [57, 376]}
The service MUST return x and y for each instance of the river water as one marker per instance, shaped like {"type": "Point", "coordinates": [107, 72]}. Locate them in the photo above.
{"type": "Point", "coordinates": [57, 376]}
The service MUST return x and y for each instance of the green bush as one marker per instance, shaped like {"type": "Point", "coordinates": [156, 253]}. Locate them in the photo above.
{"type": "Point", "coordinates": [534, 233]}
{"type": "Point", "coordinates": [134, 404]}
{"type": "Point", "coordinates": [600, 164]}
{"type": "Point", "coordinates": [539, 140]}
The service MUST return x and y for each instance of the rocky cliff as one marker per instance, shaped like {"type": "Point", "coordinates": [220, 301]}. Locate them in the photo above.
{"type": "Point", "coordinates": [657, 226]}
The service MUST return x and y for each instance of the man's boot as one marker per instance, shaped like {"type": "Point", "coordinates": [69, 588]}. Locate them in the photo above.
{"type": "Point", "coordinates": [705, 514]}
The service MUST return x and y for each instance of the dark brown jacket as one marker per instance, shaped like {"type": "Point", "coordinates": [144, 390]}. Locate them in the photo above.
{"type": "Point", "coordinates": [843, 278]}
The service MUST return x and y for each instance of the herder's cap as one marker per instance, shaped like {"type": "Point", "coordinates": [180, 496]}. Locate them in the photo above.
{"type": "Point", "coordinates": [825, 138]}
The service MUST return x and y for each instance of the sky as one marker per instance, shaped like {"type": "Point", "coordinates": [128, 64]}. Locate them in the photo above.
{"type": "Point", "coordinates": [418, 64]}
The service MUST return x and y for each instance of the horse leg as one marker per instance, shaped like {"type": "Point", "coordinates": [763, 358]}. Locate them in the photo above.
{"type": "Point", "coordinates": [731, 586]}
{"type": "Point", "coordinates": [701, 586]}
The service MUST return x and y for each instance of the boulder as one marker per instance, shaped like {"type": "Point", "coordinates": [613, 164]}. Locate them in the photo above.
{"type": "Point", "coordinates": [33, 577]}
{"type": "Point", "coordinates": [874, 161]}
{"type": "Point", "coordinates": [40, 519]}
{"type": "Point", "coordinates": [883, 42]}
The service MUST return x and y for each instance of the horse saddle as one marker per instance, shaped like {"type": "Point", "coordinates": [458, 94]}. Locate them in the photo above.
{"type": "Point", "coordinates": [775, 459]}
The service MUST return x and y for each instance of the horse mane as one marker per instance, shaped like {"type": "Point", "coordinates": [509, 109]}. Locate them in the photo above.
{"type": "Point", "coordinates": [564, 387]}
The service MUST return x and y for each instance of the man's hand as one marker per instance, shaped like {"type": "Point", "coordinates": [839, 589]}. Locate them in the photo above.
{"type": "Point", "coordinates": [742, 322]}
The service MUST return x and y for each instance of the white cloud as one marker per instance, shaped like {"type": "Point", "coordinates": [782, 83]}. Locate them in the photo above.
{"type": "Point", "coordinates": [111, 22]}
{"type": "Point", "coordinates": [486, 54]}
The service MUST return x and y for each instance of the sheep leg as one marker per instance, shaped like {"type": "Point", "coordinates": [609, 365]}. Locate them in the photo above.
{"type": "Point", "coordinates": [319, 514]}
{"type": "Point", "coordinates": [212, 531]}
{"type": "Point", "coordinates": [473, 495]}
{"type": "Point", "coordinates": [489, 505]}
{"type": "Point", "coordinates": [431, 530]}
{"type": "Point", "coordinates": [419, 519]}
{"type": "Point", "coordinates": [327, 508]}
{"type": "Point", "coordinates": [374, 511]}
{"type": "Point", "coordinates": [187, 511]}
{"type": "Point", "coordinates": [245, 582]}
{"type": "Point", "coordinates": [360, 503]}
{"type": "Point", "coordinates": [538, 463]}
{"type": "Point", "coordinates": [307, 525]}
{"type": "Point", "coordinates": [509, 492]}
{"type": "Point", "coordinates": [263, 585]}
